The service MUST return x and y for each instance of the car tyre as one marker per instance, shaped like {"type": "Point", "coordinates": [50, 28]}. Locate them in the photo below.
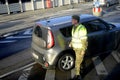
{"type": "Point", "coordinates": [66, 62]}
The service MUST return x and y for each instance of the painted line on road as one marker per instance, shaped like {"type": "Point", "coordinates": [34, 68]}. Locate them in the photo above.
{"type": "Point", "coordinates": [25, 74]}
{"type": "Point", "coordinates": [19, 69]}
{"type": "Point", "coordinates": [15, 21]}
{"type": "Point", "coordinates": [72, 73]}
{"type": "Point", "coordinates": [28, 31]}
{"type": "Point", "coordinates": [99, 66]}
{"type": "Point", "coordinates": [50, 75]}
{"type": "Point", "coordinates": [116, 56]}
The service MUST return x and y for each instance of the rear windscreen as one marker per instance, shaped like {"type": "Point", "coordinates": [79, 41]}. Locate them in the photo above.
{"type": "Point", "coordinates": [38, 31]}
{"type": "Point", "coordinates": [41, 32]}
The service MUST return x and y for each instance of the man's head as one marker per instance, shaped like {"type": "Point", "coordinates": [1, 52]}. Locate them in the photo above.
{"type": "Point", "coordinates": [75, 19]}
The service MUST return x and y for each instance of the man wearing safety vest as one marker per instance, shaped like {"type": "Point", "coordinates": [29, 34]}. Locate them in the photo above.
{"type": "Point", "coordinates": [78, 43]}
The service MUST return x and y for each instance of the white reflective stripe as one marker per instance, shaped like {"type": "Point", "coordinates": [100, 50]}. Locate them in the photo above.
{"type": "Point", "coordinates": [79, 37]}
{"type": "Point", "coordinates": [76, 45]}
{"type": "Point", "coordinates": [100, 68]}
{"type": "Point", "coordinates": [78, 40]}
{"type": "Point", "coordinates": [84, 38]}
{"type": "Point", "coordinates": [50, 75]}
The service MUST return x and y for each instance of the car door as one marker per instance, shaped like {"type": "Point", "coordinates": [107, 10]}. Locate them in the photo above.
{"type": "Point", "coordinates": [97, 37]}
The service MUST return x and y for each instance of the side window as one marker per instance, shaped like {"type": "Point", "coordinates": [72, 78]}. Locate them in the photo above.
{"type": "Point", "coordinates": [66, 31]}
{"type": "Point", "coordinates": [95, 25]}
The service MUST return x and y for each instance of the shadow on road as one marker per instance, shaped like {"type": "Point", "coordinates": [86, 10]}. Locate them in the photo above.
{"type": "Point", "coordinates": [37, 73]}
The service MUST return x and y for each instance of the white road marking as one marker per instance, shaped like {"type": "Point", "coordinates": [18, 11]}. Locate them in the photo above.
{"type": "Point", "coordinates": [50, 75]}
{"type": "Point", "coordinates": [72, 73]}
{"type": "Point", "coordinates": [15, 21]}
{"type": "Point", "coordinates": [22, 68]}
{"type": "Point", "coordinates": [28, 69]}
{"type": "Point", "coordinates": [99, 66]}
{"type": "Point", "coordinates": [28, 31]}
{"type": "Point", "coordinates": [25, 74]}
{"type": "Point", "coordinates": [116, 56]}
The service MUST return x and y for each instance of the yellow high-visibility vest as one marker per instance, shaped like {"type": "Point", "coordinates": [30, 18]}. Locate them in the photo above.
{"type": "Point", "coordinates": [78, 34]}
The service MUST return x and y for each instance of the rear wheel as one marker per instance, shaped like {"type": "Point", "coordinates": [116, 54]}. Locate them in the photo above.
{"type": "Point", "coordinates": [66, 62]}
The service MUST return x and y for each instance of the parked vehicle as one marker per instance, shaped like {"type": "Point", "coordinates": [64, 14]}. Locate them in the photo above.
{"type": "Point", "coordinates": [15, 41]}
{"type": "Point", "coordinates": [51, 38]}
{"type": "Point", "coordinates": [107, 3]}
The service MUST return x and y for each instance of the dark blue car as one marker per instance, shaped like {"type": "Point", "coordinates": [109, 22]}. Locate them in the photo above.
{"type": "Point", "coordinates": [13, 42]}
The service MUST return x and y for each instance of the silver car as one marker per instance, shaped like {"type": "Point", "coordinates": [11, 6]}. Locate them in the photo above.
{"type": "Point", "coordinates": [51, 38]}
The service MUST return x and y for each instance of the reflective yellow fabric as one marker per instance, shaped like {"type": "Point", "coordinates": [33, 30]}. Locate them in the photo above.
{"type": "Point", "coordinates": [79, 37]}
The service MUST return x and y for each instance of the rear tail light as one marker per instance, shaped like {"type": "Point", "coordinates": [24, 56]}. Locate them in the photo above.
{"type": "Point", "coordinates": [50, 39]}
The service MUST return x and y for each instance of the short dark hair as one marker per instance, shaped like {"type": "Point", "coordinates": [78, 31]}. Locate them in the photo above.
{"type": "Point", "coordinates": [76, 17]}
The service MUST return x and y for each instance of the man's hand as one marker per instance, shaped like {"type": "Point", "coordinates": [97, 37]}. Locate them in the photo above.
{"type": "Point", "coordinates": [70, 44]}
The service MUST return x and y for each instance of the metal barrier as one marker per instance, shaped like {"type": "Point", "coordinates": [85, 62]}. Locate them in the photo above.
{"type": "Point", "coordinates": [33, 5]}
{"type": "Point", "coordinates": [97, 11]}
{"type": "Point", "coordinates": [3, 8]}
{"type": "Point", "coordinates": [14, 7]}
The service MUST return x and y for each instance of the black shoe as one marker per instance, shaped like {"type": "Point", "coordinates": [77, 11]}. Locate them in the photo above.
{"type": "Point", "coordinates": [77, 77]}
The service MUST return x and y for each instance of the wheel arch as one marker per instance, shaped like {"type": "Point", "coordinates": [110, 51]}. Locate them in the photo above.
{"type": "Point", "coordinates": [70, 51]}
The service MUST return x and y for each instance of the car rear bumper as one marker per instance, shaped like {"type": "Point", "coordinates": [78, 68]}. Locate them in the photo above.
{"type": "Point", "coordinates": [39, 58]}
{"type": "Point", "coordinates": [43, 56]}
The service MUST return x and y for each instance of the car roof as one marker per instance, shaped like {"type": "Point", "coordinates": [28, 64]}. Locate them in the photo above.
{"type": "Point", "coordinates": [52, 22]}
